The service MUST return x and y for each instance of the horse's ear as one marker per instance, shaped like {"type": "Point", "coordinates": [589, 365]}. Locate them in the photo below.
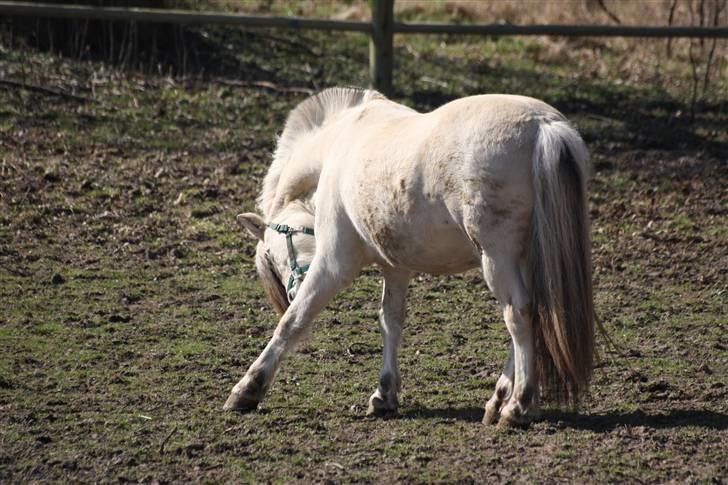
{"type": "Point", "coordinates": [253, 223]}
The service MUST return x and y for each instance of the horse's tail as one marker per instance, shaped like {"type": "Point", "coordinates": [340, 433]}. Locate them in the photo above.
{"type": "Point", "coordinates": [562, 310]}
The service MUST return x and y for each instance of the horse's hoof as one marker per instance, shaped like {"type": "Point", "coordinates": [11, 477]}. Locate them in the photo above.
{"type": "Point", "coordinates": [509, 423]}
{"type": "Point", "coordinates": [491, 415]}
{"type": "Point", "coordinates": [513, 418]}
{"type": "Point", "coordinates": [240, 403]}
{"type": "Point", "coordinates": [380, 408]}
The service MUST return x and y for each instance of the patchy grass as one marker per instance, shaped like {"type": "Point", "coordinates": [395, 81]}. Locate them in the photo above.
{"type": "Point", "coordinates": [130, 305]}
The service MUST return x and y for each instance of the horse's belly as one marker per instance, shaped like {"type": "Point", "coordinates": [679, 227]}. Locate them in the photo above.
{"type": "Point", "coordinates": [424, 239]}
{"type": "Point", "coordinates": [443, 251]}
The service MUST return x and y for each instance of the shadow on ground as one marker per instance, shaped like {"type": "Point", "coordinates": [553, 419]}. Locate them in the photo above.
{"type": "Point", "coordinates": [595, 422]}
{"type": "Point", "coordinates": [468, 413]}
{"type": "Point", "coordinates": [606, 422]}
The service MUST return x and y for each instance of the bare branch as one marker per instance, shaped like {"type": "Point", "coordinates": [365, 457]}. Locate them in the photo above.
{"type": "Point", "coordinates": [670, 19]}
{"type": "Point", "coordinates": [610, 14]}
{"type": "Point", "coordinates": [266, 85]}
{"type": "Point", "coordinates": [44, 90]}
{"type": "Point", "coordinates": [719, 6]}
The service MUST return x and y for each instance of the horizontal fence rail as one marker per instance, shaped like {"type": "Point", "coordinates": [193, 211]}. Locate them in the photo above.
{"type": "Point", "coordinates": [380, 29]}
{"type": "Point", "coordinates": [176, 17]}
{"type": "Point", "coordinates": [290, 22]}
{"type": "Point", "coordinates": [565, 30]}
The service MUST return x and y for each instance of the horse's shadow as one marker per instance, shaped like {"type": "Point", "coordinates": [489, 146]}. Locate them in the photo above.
{"type": "Point", "coordinates": [598, 423]}
{"type": "Point", "coordinates": [605, 422]}
{"type": "Point", "coordinates": [468, 413]}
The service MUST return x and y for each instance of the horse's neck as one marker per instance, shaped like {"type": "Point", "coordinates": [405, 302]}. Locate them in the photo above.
{"type": "Point", "coordinates": [297, 185]}
{"type": "Point", "coordinates": [295, 175]}
{"type": "Point", "coordinates": [302, 169]}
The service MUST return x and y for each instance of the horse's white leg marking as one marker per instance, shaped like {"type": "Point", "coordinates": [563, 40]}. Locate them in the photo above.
{"type": "Point", "coordinates": [503, 389]}
{"type": "Point", "coordinates": [391, 317]}
{"type": "Point", "coordinates": [504, 279]}
{"type": "Point", "coordinates": [523, 403]}
{"type": "Point", "coordinates": [330, 271]}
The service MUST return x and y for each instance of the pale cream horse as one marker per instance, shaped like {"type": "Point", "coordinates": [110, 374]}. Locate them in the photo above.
{"type": "Point", "coordinates": [495, 180]}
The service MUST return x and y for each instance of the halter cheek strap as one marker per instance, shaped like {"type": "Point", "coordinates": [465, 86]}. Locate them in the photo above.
{"type": "Point", "coordinates": [297, 271]}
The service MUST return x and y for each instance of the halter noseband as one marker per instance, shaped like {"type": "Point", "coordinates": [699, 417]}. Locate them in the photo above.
{"type": "Point", "coordinates": [297, 271]}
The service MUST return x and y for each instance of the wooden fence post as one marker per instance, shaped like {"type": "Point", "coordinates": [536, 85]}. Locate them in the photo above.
{"type": "Point", "coordinates": [380, 45]}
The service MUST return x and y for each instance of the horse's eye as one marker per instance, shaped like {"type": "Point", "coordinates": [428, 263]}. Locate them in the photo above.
{"type": "Point", "coordinates": [291, 294]}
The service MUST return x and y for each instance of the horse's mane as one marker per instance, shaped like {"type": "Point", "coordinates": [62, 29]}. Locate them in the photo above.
{"type": "Point", "coordinates": [306, 117]}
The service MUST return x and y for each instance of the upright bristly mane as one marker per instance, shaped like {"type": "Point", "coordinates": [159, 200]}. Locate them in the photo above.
{"type": "Point", "coordinates": [305, 118]}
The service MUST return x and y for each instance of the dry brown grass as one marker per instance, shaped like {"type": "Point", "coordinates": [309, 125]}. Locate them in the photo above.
{"type": "Point", "coordinates": [639, 60]}
{"type": "Point", "coordinates": [691, 67]}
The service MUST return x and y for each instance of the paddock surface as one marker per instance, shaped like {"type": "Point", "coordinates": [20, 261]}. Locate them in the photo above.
{"type": "Point", "coordinates": [129, 305]}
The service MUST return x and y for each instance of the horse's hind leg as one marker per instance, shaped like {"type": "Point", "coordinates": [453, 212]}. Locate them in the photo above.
{"type": "Point", "coordinates": [503, 389]}
{"type": "Point", "coordinates": [504, 278]}
{"type": "Point", "coordinates": [391, 316]}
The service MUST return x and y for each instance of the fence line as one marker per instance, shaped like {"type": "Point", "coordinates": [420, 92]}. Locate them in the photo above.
{"type": "Point", "coordinates": [565, 30]}
{"type": "Point", "coordinates": [176, 16]}
{"type": "Point", "coordinates": [381, 29]}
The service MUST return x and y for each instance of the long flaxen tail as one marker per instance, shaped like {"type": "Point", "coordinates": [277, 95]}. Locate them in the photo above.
{"type": "Point", "coordinates": [560, 277]}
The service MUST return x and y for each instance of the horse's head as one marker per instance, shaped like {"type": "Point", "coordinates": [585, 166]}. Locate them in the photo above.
{"type": "Point", "coordinates": [286, 247]}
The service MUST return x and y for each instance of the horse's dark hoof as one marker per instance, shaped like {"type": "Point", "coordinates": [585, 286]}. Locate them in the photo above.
{"type": "Point", "coordinates": [240, 403]}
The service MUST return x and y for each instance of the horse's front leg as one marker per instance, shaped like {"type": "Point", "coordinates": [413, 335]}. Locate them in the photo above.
{"type": "Point", "coordinates": [391, 316]}
{"type": "Point", "coordinates": [327, 276]}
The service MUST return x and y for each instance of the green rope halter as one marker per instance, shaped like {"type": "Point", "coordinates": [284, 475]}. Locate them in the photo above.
{"type": "Point", "coordinates": [297, 271]}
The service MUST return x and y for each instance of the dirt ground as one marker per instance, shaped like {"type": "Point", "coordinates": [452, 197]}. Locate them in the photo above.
{"type": "Point", "coordinates": [129, 305]}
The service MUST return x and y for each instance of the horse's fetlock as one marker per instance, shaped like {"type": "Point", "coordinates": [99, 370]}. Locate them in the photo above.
{"type": "Point", "coordinates": [254, 383]}
{"type": "Point", "coordinates": [529, 398]}
{"type": "Point", "coordinates": [258, 378]}
{"type": "Point", "coordinates": [241, 401]}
